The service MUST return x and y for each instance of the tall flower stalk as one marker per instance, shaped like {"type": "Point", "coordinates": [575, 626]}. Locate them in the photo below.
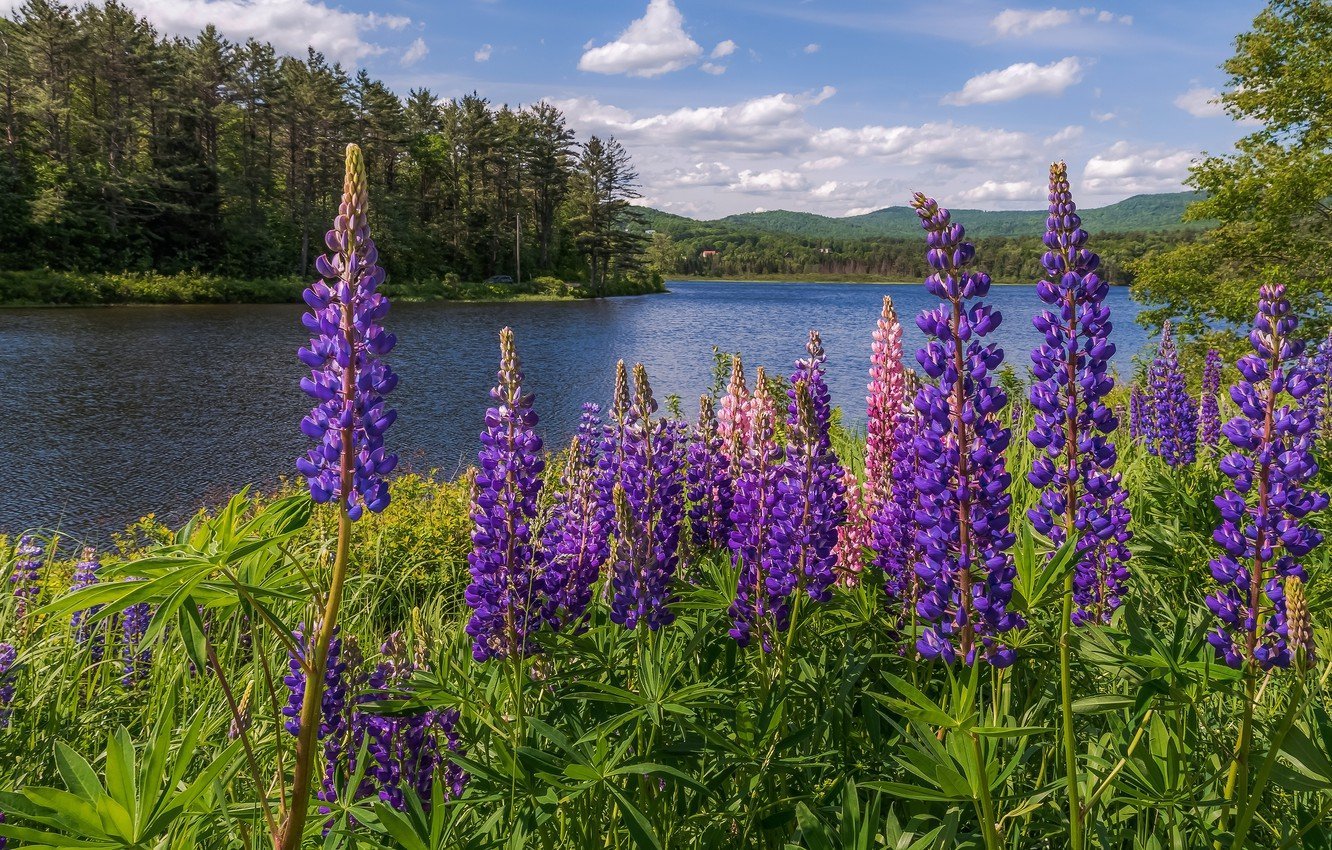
{"type": "Point", "coordinates": [575, 540]}
{"type": "Point", "coordinates": [1079, 497]}
{"type": "Point", "coordinates": [1264, 533]}
{"type": "Point", "coordinates": [753, 613]}
{"type": "Point", "coordinates": [710, 486]}
{"type": "Point", "coordinates": [26, 580]}
{"type": "Point", "coordinates": [8, 659]}
{"type": "Point", "coordinates": [506, 594]}
{"type": "Point", "coordinates": [1173, 427]}
{"type": "Point", "coordinates": [650, 495]}
{"type": "Point", "coordinates": [1209, 408]}
{"type": "Point", "coordinates": [964, 502]}
{"type": "Point", "coordinates": [348, 380]}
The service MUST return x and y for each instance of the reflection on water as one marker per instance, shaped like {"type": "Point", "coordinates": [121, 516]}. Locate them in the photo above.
{"type": "Point", "coordinates": [113, 413]}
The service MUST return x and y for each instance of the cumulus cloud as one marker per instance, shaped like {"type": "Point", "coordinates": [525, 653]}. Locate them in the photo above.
{"type": "Point", "coordinates": [1201, 102]}
{"type": "Point", "coordinates": [1104, 116]}
{"type": "Point", "coordinates": [415, 53]}
{"type": "Point", "coordinates": [1071, 133]}
{"type": "Point", "coordinates": [812, 48]}
{"type": "Point", "coordinates": [698, 174]}
{"type": "Point", "coordinates": [1015, 23]}
{"type": "Point", "coordinates": [996, 190]}
{"type": "Point", "coordinates": [770, 123]}
{"type": "Point", "coordinates": [723, 49]}
{"type": "Point", "coordinates": [823, 163]}
{"type": "Point", "coordinates": [943, 142]}
{"type": "Point", "coordinates": [1018, 80]}
{"type": "Point", "coordinates": [290, 25]}
{"type": "Point", "coordinates": [713, 68]}
{"type": "Point", "coordinates": [825, 190]}
{"type": "Point", "coordinates": [483, 52]}
{"type": "Point", "coordinates": [654, 44]}
{"type": "Point", "coordinates": [1124, 169]}
{"type": "Point", "coordinates": [774, 180]}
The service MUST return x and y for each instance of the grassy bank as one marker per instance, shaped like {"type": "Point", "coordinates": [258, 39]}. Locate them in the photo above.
{"type": "Point", "coordinates": [44, 287]}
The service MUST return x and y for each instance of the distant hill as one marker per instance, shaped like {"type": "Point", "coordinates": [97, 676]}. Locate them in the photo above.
{"type": "Point", "coordinates": [1139, 213]}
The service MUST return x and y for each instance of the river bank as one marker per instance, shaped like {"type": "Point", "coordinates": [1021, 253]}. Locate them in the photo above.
{"type": "Point", "coordinates": [48, 288]}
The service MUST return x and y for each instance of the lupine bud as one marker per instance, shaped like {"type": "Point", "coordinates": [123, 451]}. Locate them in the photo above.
{"type": "Point", "coordinates": [1174, 416]}
{"type": "Point", "coordinates": [1299, 625]}
{"type": "Point", "coordinates": [348, 380]}
{"type": "Point", "coordinates": [1262, 532]}
{"type": "Point", "coordinates": [1071, 426]}
{"type": "Point", "coordinates": [1209, 409]}
{"type": "Point", "coordinates": [508, 605]}
{"type": "Point", "coordinates": [963, 512]}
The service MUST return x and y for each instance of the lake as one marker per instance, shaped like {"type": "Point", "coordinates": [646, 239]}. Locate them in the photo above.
{"type": "Point", "coordinates": [113, 413]}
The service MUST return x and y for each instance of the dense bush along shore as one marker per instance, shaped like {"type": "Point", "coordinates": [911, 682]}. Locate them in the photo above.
{"type": "Point", "coordinates": [1070, 612]}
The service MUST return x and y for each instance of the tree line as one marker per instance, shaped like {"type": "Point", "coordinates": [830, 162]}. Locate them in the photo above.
{"type": "Point", "coordinates": [124, 150]}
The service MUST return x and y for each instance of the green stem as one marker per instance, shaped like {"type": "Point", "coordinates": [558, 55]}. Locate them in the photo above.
{"type": "Point", "coordinates": [1269, 762]}
{"type": "Point", "coordinates": [1066, 707]}
{"type": "Point", "coordinates": [293, 829]}
{"type": "Point", "coordinates": [1239, 768]}
{"type": "Point", "coordinates": [988, 826]}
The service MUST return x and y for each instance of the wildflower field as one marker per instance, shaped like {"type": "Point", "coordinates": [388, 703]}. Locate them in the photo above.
{"type": "Point", "coordinates": [1070, 609]}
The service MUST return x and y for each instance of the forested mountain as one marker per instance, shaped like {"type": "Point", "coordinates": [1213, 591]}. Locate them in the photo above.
{"type": "Point", "coordinates": [125, 150]}
{"type": "Point", "coordinates": [1139, 213]}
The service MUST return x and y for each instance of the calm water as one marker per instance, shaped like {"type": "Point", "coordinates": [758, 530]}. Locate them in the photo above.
{"type": "Point", "coordinates": [114, 413]}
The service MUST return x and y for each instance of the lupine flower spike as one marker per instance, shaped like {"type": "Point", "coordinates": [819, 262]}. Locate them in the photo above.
{"type": "Point", "coordinates": [1209, 409]}
{"type": "Point", "coordinates": [348, 379]}
{"type": "Point", "coordinates": [752, 614]}
{"type": "Point", "coordinates": [26, 580]}
{"type": "Point", "coordinates": [85, 575]}
{"type": "Point", "coordinates": [811, 503]}
{"type": "Point", "coordinates": [709, 479]}
{"type": "Point", "coordinates": [8, 657]}
{"type": "Point", "coordinates": [650, 493]}
{"type": "Point", "coordinates": [734, 420]}
{"type": "Point", "coordinates": [1173, 432]}
{"type": "Point", "coordinates": [506, 594]}
{"type": "Point", "coordinates": [1072, 426]}
{"type": "Point", "coordinates": [963, 480]}
{"type": "Point", "coordinates": [854, 536]}
{"type": "Point", "coordinates": [574, 544]}
{"type": "Point", "coordinates": [1264, 532]}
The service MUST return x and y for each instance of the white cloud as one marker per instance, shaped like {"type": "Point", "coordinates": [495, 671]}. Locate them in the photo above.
{"type": "Point", "coordinates": [1201, 102]}
{"type": "Point", "coordinates": [823, 163]}
{"type": "Point", "coordinates": [774, 180]}
{"type": "Point", "coordinates": [415, 53]}
{"type": "Point", "coordinates": [926, 143]}
{"type": "Point", "coordinates": [1018, 22]}
{"type": "Point", "coordinates": [812, 48]}
{"type": "Point", "coordinates": [713, 68]}
{"type": "Point", "coordinates": [723, 49]}
{"type": "Point", "coordinates": [1122, 169]}
{"type": "Point", "coordinates": [698, 174]}
{"type": "Point", "coordinates": [995, 190]}
{"type": "Point", "coordinates": [654, 44]}
{"type": "Point", "coordinates": [770, 123]}
{"type": "Point", "coordinates": [1015, 23]}
{"type": "Point", "coordinates": [1071, 133]}
{"type": "Point", "coordinates": [860, 211]}
{"type": "Point", "coordinates": [1104, 116]}
{"type": "Point", "coordinates": [290, 25]}
{"type": "Point", "coordinates": [825, 190]}
{"type": "Point", "coordinates": [483, 52]}
{"type": "Point", "coordinates": [1018, 80]}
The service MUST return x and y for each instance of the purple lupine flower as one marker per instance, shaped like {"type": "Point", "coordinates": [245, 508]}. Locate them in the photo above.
{"type": "Point", "coordinates": [710, 487]}
{"type": "Point", "coordinates": [1140, 427]}
{"type": "Point", "coordinates": [8, 657]}
{"type": "Point", "coordinates": [1072, 424]}
{"type": "Point", "coordinates": [135, 658]}
{"type": "Point", "coordinates": [964, 502]}
{"type": "Point", "coordinates": [85, 575]}
{"type": "Point", "coordinates": [348, 379]}
{"type": "Point", "coordinates": [1209, 408]}
{"type": "Point", "coordinates": [575, 542]}
{"type": "Point", "coordinates": [650, 497]}
{"type": "Point", "coordinates": [1322, 399]}
{"type": "Point", "coordinates": [26, 580]}
{"type": "Point", "coordinates": [756, 493]}
{"type": "Point", "coordinates": [811, 498]}
{"type": "Point", "coordinates": [1262, 531]}
{"type": "Point", "coordinates": [506, 593]}
{"type": "Point", "coordinates": [896, 550]}
{"type": "Point", "coordinates": [1174, 414]}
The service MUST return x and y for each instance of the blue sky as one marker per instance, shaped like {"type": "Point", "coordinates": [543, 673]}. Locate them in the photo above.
{"type": "Point", "coordinates": [831, 106]}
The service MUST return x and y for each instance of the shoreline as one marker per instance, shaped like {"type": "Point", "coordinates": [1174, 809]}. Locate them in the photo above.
{"type": "Point", "coordinates": [856, 279]}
